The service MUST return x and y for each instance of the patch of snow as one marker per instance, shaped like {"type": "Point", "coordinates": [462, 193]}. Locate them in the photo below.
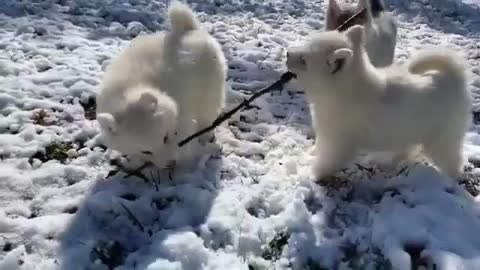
{"type": "Point", "coordinates": [65, 207]}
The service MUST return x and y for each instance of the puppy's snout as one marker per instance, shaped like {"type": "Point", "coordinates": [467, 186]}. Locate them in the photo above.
{"type": "Point", "coordinates": [295, 59]}
{"type": "Point", "coordinates": [292, 53]}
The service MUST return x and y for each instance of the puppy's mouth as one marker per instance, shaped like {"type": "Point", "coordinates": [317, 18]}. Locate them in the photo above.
{"type": "Point", "coordinates": [295, 62]}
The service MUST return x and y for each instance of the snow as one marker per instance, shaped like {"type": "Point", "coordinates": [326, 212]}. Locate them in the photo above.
{"type": "Point", "coordinates": [72, 211]}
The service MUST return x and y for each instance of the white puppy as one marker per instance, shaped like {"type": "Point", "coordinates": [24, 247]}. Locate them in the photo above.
{"type": "Point", "coordinates": [356, 106]}
{"type": "Point", "coordinates": [380, 27]}
{"type": "Point", "coordinates": [161, 89]}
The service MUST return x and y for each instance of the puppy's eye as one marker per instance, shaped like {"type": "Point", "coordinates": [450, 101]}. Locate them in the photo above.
{"type": "Point", "coordinates": [147, 153]}
{"type": "Point", "coordinates": [165, 139]}
{"type": "Point", "coordinates": [296, 59]}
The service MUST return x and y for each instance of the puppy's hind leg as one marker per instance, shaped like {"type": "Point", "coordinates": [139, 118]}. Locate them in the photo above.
{"type": "Point", "coordinates": [203, 122]}
{"type": "Point", "coordinates": [209, 110]}
{"type": "Point", "coordinates": [446, 153]}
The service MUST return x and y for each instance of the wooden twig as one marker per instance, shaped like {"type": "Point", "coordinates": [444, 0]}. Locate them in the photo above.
{"type": "Point", "coordinates": [363, 168]}
{"type": "Point", "coordinates": [278, 85]}
{"type": "Point", "coordinates": [348, 23]}
{"type": "Point", "coordinates": [133, 217]}
{"type": "Point", "coordinates": [404, 169]}
{"type": "Point", "coordinates": [154, 180]}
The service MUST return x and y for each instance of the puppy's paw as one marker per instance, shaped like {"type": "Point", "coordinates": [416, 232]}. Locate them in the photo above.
{"type": "Point", "coordinates": [133, 162]}
{"type": "Point", "coordinates": [319, 171]}
{"type": "Point", "coordinates": [332, 184]}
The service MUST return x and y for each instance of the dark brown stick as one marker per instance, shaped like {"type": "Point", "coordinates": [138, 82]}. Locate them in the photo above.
{"type": "Point", "coordinates": [286, 77]}
{"type": "Point", "coordinates": [133, 217]}
{"type": "Point", "coordinates": [348, 23]}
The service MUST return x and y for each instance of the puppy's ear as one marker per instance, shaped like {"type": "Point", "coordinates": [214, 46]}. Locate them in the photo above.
{"type": "Point", "coordinates": [337, 60]}
{"type": "Point", "coordinates": [356, 34]}
{"type": "Point", "coordinates": [107, 122]}
{"type": "Point", "coordinates": [148, 100]}
{"type": "Point", "coordinates": [332, 13]}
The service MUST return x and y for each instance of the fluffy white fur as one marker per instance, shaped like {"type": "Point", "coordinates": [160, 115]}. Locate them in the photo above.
{"type": "Point", "coordinates": [380, 27]}
{"type": "Point", "coordinates": [162, 88]}
{"type": "Point", "coordinates": [356, 106]}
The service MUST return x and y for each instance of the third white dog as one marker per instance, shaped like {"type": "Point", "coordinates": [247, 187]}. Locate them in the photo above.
{"type": "Point", "coordinates": [380, 27]}
{"type": "Point", "coordinates": [356, 106]}
{"type": "Point", "coordinates": [161, 89]}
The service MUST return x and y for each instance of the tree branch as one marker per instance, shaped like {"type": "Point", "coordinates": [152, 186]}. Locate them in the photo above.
{"type": "Point", "coordinates": [350, 22]}
{"type": "Point", "coordinates": [278, 85]}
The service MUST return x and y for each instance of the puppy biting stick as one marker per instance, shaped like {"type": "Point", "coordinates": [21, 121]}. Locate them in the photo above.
{"type": "Point", "coordinates": [285, 78]}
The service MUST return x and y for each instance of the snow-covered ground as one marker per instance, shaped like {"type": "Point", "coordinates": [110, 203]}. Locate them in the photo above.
{"type": "Point", "coordinates": [63, 205]}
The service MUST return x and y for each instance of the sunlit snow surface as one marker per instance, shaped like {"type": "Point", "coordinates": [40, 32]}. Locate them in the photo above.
{"type": "Point", "coordinates": [74, 214]}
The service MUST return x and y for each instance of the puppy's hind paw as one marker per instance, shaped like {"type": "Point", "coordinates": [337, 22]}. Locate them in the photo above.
{"type": "Point", "coordinates": [133, 162]}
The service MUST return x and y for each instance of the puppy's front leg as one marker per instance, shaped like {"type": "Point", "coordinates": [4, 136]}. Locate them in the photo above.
{"type": "Point", "coordinates": [331, 156]}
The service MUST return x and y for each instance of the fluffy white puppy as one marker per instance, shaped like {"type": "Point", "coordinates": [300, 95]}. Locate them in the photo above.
{"type": "Point", "coordinates": [162, 88]}
{"type": "Point", "coordinates": [380, 27]}
{"type": "Point", "coordinates": [355, 106]}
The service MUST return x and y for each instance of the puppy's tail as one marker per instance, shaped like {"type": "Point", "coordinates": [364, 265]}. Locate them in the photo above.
{"type": "Point", "coordinates": [447, 63]}
{"type": "Point", "coordinates": [182, 18]}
